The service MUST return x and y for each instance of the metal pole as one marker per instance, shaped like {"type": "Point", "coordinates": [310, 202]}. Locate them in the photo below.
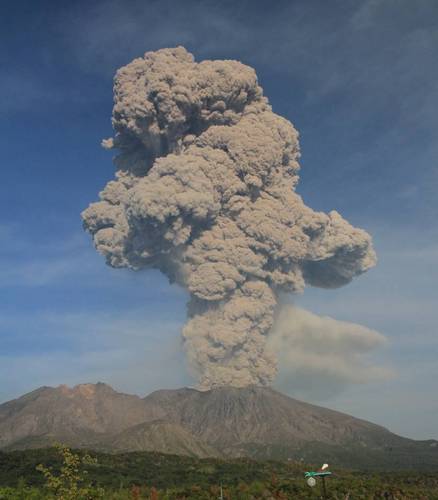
{"type": "Point", "coordinates": [324, 489]}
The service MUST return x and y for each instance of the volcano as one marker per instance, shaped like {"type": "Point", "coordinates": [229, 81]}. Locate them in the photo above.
{"type": "Point", "coordinates": [254, 422]}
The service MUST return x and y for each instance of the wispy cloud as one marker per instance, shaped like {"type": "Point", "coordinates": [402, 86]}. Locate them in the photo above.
{"type": "Point", "coordinates": [25, 91]}
{"type": "Point", "coordinates": [344, 54]}
{"type": "Point", "coordinates": [127, 350]}
{"type": "Point", "coordinates": [20, 91]}
{"type": "Point", "coordinates": [61, 259]}
{"type": "Point", "coordinates": [370, 64]}
{"type": "Point", "coordinates": [29, 263]}
{"type": "Point", "coordinates": [42, 272]}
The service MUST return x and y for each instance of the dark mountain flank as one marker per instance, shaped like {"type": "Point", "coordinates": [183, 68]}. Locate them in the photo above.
{"type": "Point", "coordinates": [253, 422]}
{"type": "Point", "coordinates": [159, 436]}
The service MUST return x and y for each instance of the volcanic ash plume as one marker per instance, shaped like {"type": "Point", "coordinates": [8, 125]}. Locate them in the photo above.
{"type": "Point", "coordinates": [205, 192]}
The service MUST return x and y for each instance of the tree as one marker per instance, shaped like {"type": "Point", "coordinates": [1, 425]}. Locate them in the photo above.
{"type": "Point", "coordinates": [70, 483]}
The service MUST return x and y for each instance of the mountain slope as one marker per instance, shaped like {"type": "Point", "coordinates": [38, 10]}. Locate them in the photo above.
{"type": "Point", "coordinates": [263, 423]}
{"type": "Point", "coordinates": [229, 416]}
{"type": "Point", "coordinates": [76, 416]}
{"type": "Point", "coordinates": [254, 422]}
{"type": "Point", "coordinates": [160, 436]}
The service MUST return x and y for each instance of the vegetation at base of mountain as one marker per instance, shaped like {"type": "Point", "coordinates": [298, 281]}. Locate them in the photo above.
{"type": "Point", "coordinates": [70, 482]}
{"type": "Point", "coordinates": [144, 475]}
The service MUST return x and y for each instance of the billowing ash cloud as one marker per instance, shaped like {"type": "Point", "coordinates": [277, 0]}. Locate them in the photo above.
{"type": "Point", "coordinates": [320, 356]}
{"type": "Point", "coordinates": [205, 192]}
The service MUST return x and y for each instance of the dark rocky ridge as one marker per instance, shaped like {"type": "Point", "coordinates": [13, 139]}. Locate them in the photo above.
{"type": "Point", "coordinates": [254, 421]}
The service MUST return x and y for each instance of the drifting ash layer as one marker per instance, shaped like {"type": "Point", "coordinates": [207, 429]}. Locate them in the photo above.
{"type": "Point", "coordinates": [205, 192]}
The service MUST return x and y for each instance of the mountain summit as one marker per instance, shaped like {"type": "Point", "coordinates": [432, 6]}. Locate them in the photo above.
{"type": "Point", "coordinates": [254, 422]}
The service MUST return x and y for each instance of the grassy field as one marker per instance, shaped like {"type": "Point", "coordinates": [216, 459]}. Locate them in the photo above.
{"type": "Point", "coordinates": [158, 476]}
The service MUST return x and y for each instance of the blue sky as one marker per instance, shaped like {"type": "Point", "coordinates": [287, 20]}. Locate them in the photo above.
{"type": "Point", "coordinates": [358, 79]}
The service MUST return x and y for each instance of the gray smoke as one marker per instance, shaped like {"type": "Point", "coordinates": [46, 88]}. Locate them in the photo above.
{"type": "Point", "coordinates": [320, 356]}
{"type": "Point", "coordinates": [205, 192]}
